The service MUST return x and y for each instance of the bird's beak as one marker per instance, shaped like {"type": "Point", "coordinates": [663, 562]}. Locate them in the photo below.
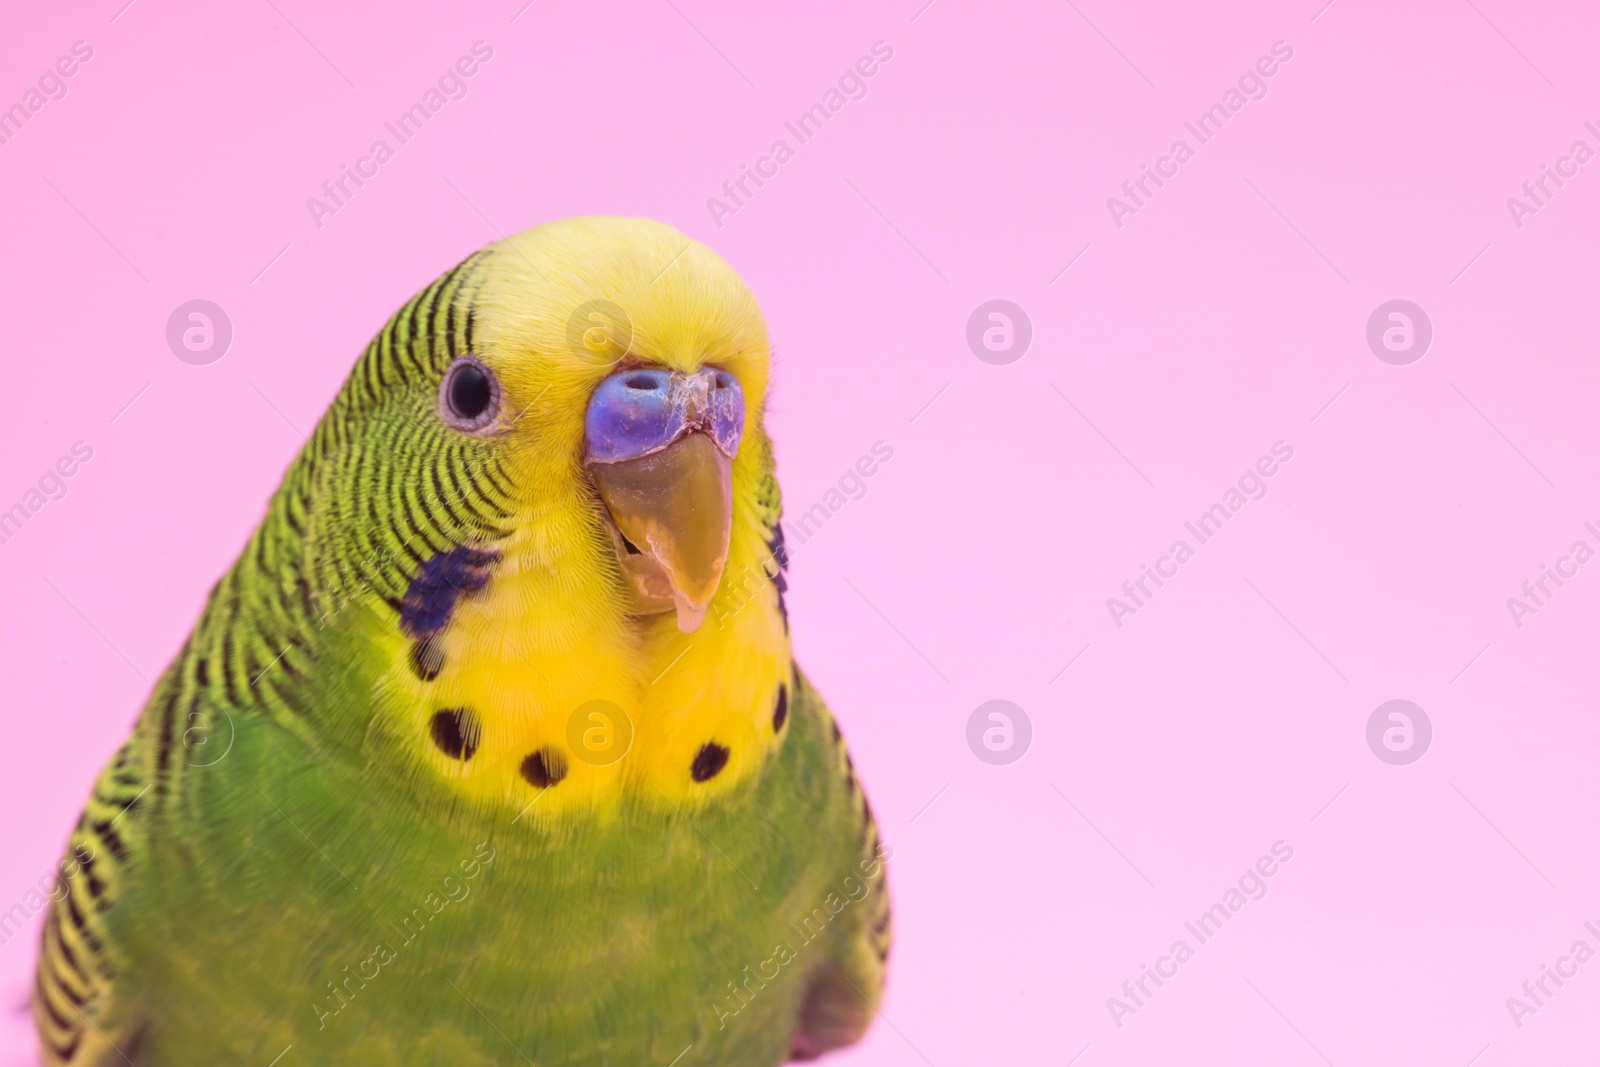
{"type": "Point", "coordinates": [660, 445]}
{"type": "Point", "coordinates": [675, 508]}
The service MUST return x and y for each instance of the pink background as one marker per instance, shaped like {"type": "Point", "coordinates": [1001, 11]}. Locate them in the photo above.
{"type": "Point", "coordinates": [1224, 316]}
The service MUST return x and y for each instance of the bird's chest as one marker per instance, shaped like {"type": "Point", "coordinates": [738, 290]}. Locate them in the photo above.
{"type": "Point", "coordinates": [618, 942]}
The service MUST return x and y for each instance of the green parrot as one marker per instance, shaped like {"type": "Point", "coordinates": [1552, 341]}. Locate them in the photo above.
{"type": "Point", "coordinates": [489, 748]}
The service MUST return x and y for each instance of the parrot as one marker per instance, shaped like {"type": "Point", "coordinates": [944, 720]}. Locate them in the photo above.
{"type": "Point", "coordinates": [490, 747]}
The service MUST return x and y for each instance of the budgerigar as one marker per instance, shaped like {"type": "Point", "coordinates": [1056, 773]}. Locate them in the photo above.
{"type": "Point", "coordinates": [489, 748]}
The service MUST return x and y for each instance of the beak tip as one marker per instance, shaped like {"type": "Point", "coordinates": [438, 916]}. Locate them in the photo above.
{"type": "Point", "coordinates": [675, 507]}
{"type": "Point", "coordinates": [690, 616]}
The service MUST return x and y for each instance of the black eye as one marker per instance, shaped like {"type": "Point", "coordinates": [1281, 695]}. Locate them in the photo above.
{"type": "Point", "coordinates": [470, 392]}
{"type": "Point", "coordinates": [469, 395]}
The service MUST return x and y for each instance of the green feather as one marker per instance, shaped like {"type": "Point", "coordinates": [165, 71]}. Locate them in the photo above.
{"type": "Point", "coordinates": [265, 871]}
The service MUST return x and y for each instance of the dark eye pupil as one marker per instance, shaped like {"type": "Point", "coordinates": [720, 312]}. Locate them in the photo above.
{"type": "Point", "coordinates": [470, 393]}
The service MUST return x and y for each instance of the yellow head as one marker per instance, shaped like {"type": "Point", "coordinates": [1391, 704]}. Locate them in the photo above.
{"type": "Point", "coordinates": [554, 457]}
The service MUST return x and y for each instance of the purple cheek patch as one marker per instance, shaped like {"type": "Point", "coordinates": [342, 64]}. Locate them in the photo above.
{"type": "Point", "coordinates": [636, 412]}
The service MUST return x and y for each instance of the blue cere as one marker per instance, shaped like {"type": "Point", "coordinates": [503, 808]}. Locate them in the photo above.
{"type": "Point", "coordinates": [636, 412]}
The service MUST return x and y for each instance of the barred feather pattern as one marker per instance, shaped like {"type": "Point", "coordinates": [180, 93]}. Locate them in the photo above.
{"type": "Point", "coordinates": [256, 641]}
{"type": "Point", "coordinates": [380, 488]}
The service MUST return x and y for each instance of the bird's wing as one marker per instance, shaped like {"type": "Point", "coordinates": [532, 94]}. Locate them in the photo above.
{"type": "Point", "coordinates": [85, 1013]}
{"type": "Point", "coordinates": [844, 994]}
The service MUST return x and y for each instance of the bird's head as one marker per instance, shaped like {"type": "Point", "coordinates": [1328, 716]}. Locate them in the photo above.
{"type": "Point", "coordinates": [618, 362]}
{"type": "Point", "coordinates": [552, 468]}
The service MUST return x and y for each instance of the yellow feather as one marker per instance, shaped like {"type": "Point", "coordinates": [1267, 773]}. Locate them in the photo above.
{"type": "Point", "coordinates": [552, 631]}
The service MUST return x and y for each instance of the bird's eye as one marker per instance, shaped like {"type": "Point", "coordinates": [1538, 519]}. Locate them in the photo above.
{"type": "Point", "coordinates": [469, 396]}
